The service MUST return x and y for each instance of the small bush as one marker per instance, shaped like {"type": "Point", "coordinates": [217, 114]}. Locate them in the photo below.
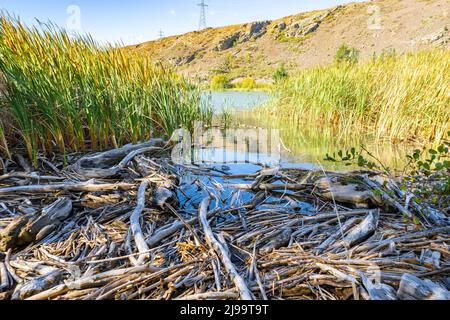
{"type": "Point", "coordinates": [347, 54]}
{"type": "Point", "coordinates": [220, 82]}
{"type": "Point", "coordinates": [248, 83]}
{"type": "Point", "coordinates": [281, 74]}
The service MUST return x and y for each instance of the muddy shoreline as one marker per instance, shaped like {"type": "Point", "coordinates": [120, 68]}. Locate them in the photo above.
{"type": "Point", "coordinates": [130, 224]}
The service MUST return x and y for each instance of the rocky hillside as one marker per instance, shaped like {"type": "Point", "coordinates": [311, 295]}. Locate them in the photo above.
{"type": "Point", "coordinates": [307, 39]}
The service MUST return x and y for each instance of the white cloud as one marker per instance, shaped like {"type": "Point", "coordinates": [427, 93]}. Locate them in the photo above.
{"type": "Point", "coordinates": [173, 12]}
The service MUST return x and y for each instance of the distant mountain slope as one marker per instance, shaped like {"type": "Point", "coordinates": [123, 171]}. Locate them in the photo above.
{"type": "Point", "coordinates": [307, 39]}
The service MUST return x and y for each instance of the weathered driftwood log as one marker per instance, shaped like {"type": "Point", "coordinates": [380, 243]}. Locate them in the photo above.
{"type": "Point", "coordinates": [363, 231]}
{"type": "Point", "coordinates": [89, 186]}
{"type": "Point", "coordinates": [413, 288]}
{"type": "Point", "coordinates": [278, 242]}
{"type": "Point", "coordinates": [30, 228]}
{"type": "Point", "coordinates": [37, 285]}
{"type": "Point", "coordinates": [4, 277]}
{"type": "Point", "coordinates": [378, 291]}
{"type": "Point", "coordinates": [222, 252]}
{"type": "Point", "coordinates": [135, 224]}
{"type": "Point", "coordinates": [335, 236]}
{"type": "Point", "coordinates": [161, 196]}
{"type": "Point", "coordinates": [344, 189]}
{"type": "Point", "coordinates": [110, 163]}
{"type": "Point", "coordinates": [33, 176]}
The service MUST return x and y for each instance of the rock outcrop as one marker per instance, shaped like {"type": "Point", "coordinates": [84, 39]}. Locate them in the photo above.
{"type": "Point", "coordinates": [253, 31]}
{"type": "Point", "coordinates": [302, 27]}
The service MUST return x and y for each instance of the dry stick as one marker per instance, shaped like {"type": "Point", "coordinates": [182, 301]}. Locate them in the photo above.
{"type": "Point", "coordinates": [126, 256]}
{"type": "Point", "coordinates": [135, 225]}
{"type": "Point", "coordinates": [420, 234]}
{"type": "Point", "coordinates": [4, 279]}
{"type": "Point", "coordinates": [387, 198]}
{"type": "Point", "coordinates": [163, 281]}
{"type": "Point", "coordinates": [166, 232]}
{"type": "Point", "coordinates": [128, 283]}
{"type": "Point", "coordinates": [73, 187]}
{"type": "Point", "coordinates": [134, 154]}
{"type": "Point", "coordinates": [10, 269]}
{"type": "Point", "coordinates": [186, 224]}
{"type": "Point", "coordinates": [24, 175]}
{"type": "Point", "coordinates": [335, 236]}
{"type": "Point", "coordinates": [269, 186]}
{"type": "Point", "coordinates": [256, 271]}
{"type": "Point", "coordinates": [244, 292]}
{"type": "Point", "coordinates": [90, 281]}
{"type": "Point", "coordinates": [229, 294]}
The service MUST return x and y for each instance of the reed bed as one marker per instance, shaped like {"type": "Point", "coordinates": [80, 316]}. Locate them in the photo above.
{"type": "Point", "coordinates": [68, 93]}
{"type": "Point", "coordinates": [394, 98]}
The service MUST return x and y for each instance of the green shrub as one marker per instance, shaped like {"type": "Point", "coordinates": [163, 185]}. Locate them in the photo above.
{"type": "Point", "coordinates": [347, 54]}
{"type": "Point", "coordinates": [281, 74]}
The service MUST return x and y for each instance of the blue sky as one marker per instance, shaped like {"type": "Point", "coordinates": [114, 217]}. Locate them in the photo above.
{"type": "Point", "coordinates": [136, 21]}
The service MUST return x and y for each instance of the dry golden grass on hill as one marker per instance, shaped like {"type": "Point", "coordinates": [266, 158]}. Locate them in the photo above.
{"type": "Point", "coordinates": [306, 40]}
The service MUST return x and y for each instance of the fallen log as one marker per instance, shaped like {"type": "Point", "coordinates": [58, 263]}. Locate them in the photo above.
{"type": "Point", "coordinates": [378, 291]}
{"type": "Point", "coordinates": [109, 163]}
{"type": "Point", "coordinates": [4, 277]}
{"type": "Point", "coordinates": [37, 285]}
{"type": "Point", "coordinates": [135, 225]}
{"type": "Point", "coordinates": [335, 236]}
{"type": "Point", "coordinates": [222, 251]}
{"type": "Point", "coordinates": [33, 176]}
{"type": "Point", "coordinates": [27, 229]}
{"type": "Point", "coordinates": [413, 288]}
{"type": "Point", "coordinates": [68, 187]}
{"type": "Point", "coordinates": [363, 231]}
{"type": "Point", "coordinates": [334, 189]}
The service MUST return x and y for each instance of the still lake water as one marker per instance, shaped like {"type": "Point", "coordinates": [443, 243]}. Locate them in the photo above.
{"type": "Point", "coordinates": [301, 147]}
{"type": "Point", "coordinates": [237, 100]}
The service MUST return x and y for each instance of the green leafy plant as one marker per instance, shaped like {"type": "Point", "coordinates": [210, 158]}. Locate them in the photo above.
{"type": "Point", "coordinates": [280, 74]}
{"type": "Point", "coordinates": [346, 54]}
{"type": "Point", "coordinates": [352, 157]}
{"type": "Point", "coordinates": [427, 174]}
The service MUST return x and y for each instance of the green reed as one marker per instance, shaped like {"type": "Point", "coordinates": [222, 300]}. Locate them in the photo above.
{"type": "Point", "coordinates": [71, 94]}
{"type": "Point", "coordinates": [394, 98]}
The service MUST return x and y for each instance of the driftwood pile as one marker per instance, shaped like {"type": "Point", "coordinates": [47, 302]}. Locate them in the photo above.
{"type": "Point", "coordinates": [130, 224]}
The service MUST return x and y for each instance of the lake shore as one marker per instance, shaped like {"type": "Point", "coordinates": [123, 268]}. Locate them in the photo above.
{"type": "Point", "coordinates": [147, 228]}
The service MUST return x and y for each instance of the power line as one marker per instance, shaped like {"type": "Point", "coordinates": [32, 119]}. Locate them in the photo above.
{"type": "Point", "coordinates": [203, 6]}
{"type": "Point", "coordinates": [161, 34]}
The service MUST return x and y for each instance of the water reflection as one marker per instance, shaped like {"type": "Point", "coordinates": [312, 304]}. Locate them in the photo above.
{"type": "Point", "coordinates": [302, 146]}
